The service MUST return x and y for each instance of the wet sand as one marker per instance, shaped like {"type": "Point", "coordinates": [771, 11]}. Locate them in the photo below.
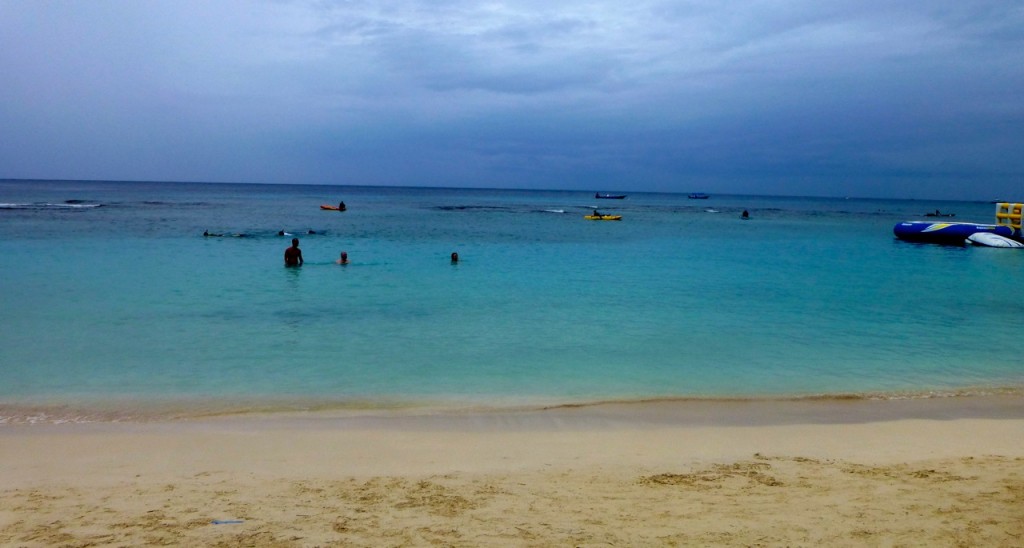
{"type": "Point", "coordinates": [923, 472]}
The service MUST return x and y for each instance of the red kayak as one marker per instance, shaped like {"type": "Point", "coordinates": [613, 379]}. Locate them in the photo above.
{"type": "Point", "coordinates": [332, 207]}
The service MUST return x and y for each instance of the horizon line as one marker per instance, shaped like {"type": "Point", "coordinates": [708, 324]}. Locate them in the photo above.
{"type": "Point", "coordinates": [485, 188]}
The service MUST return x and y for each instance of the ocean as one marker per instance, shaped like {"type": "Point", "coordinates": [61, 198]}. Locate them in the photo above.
{"type": "Point", "coordinates": [115, 306]}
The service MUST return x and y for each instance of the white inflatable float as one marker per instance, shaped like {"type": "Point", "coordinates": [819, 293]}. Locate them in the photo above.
{"type": "Point", "coordinates": [987, 239]}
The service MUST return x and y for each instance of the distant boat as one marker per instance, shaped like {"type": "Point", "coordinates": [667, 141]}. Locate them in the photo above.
{"type": "Point", "coordinates": [609, 196]}
{"type": "Point", "coordinates": [698, 196]}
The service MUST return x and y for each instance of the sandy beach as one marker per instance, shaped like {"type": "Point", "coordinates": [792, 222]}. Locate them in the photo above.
{"type": "Point", "coordinates": [834, 473]}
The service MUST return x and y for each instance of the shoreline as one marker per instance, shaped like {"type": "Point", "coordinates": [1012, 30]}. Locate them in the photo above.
{"type": "Point", "coordinates": [942, 471]}
{"type": "Point", "coordinates": [1005, 401]}
{"type": "Point", "coordinates": [869, 428]}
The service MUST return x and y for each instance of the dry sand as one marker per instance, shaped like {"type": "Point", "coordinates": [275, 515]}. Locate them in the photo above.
{"type": "Point", "coordinates": [572, 477]}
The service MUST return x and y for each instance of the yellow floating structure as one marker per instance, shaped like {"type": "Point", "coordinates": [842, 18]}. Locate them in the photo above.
{"type": "Point", "coordinates": [1009, 214]}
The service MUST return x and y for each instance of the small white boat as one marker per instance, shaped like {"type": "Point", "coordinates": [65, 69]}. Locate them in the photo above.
{"type": "Point", "coordinates": [987, 239]}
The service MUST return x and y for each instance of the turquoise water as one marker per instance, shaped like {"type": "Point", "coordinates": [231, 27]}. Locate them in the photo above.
{"type": "Point", "coordinates": [117, 300]}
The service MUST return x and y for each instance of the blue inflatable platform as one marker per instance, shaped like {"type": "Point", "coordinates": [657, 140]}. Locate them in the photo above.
{"type": "Point", "coordinates": [945, 233]}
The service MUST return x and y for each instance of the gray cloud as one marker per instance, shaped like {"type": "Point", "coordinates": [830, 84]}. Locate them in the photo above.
{"type": "Point", "coordinates": [843, 98]}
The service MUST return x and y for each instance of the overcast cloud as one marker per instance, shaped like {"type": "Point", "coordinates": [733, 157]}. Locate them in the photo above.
{"type": "Point", "coordinates": [846, 98]}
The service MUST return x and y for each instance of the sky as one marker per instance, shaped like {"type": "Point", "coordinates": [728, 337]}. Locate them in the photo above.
{"type": "Point", "coordinates": [860, 98]}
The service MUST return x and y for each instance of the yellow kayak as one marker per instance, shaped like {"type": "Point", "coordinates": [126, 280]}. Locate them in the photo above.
{"type": "Point", "coordinates": [603, 217]}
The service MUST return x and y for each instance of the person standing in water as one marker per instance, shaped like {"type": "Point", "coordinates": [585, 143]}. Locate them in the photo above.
{"type": "Point", "coordinates": [455, 258]}
{"type": "Point", "coordinates": [343, 259]}
{"type": "Point", "coordinates": [293, 255]}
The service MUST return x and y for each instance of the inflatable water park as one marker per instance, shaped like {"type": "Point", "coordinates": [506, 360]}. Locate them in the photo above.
{"type": "Point", "coordinates": [1005, 232]}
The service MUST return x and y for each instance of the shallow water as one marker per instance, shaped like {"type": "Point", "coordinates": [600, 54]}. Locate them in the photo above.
{"type": "Point", "coordinates": [117, 301]}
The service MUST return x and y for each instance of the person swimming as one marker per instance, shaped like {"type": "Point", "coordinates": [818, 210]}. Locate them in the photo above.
{"type": "Point", "coordinates": [293, 255]}
{"type": "Point", "coordinates": [343, 259]}
{"type": "Point", "coordinates": [455, 257]}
